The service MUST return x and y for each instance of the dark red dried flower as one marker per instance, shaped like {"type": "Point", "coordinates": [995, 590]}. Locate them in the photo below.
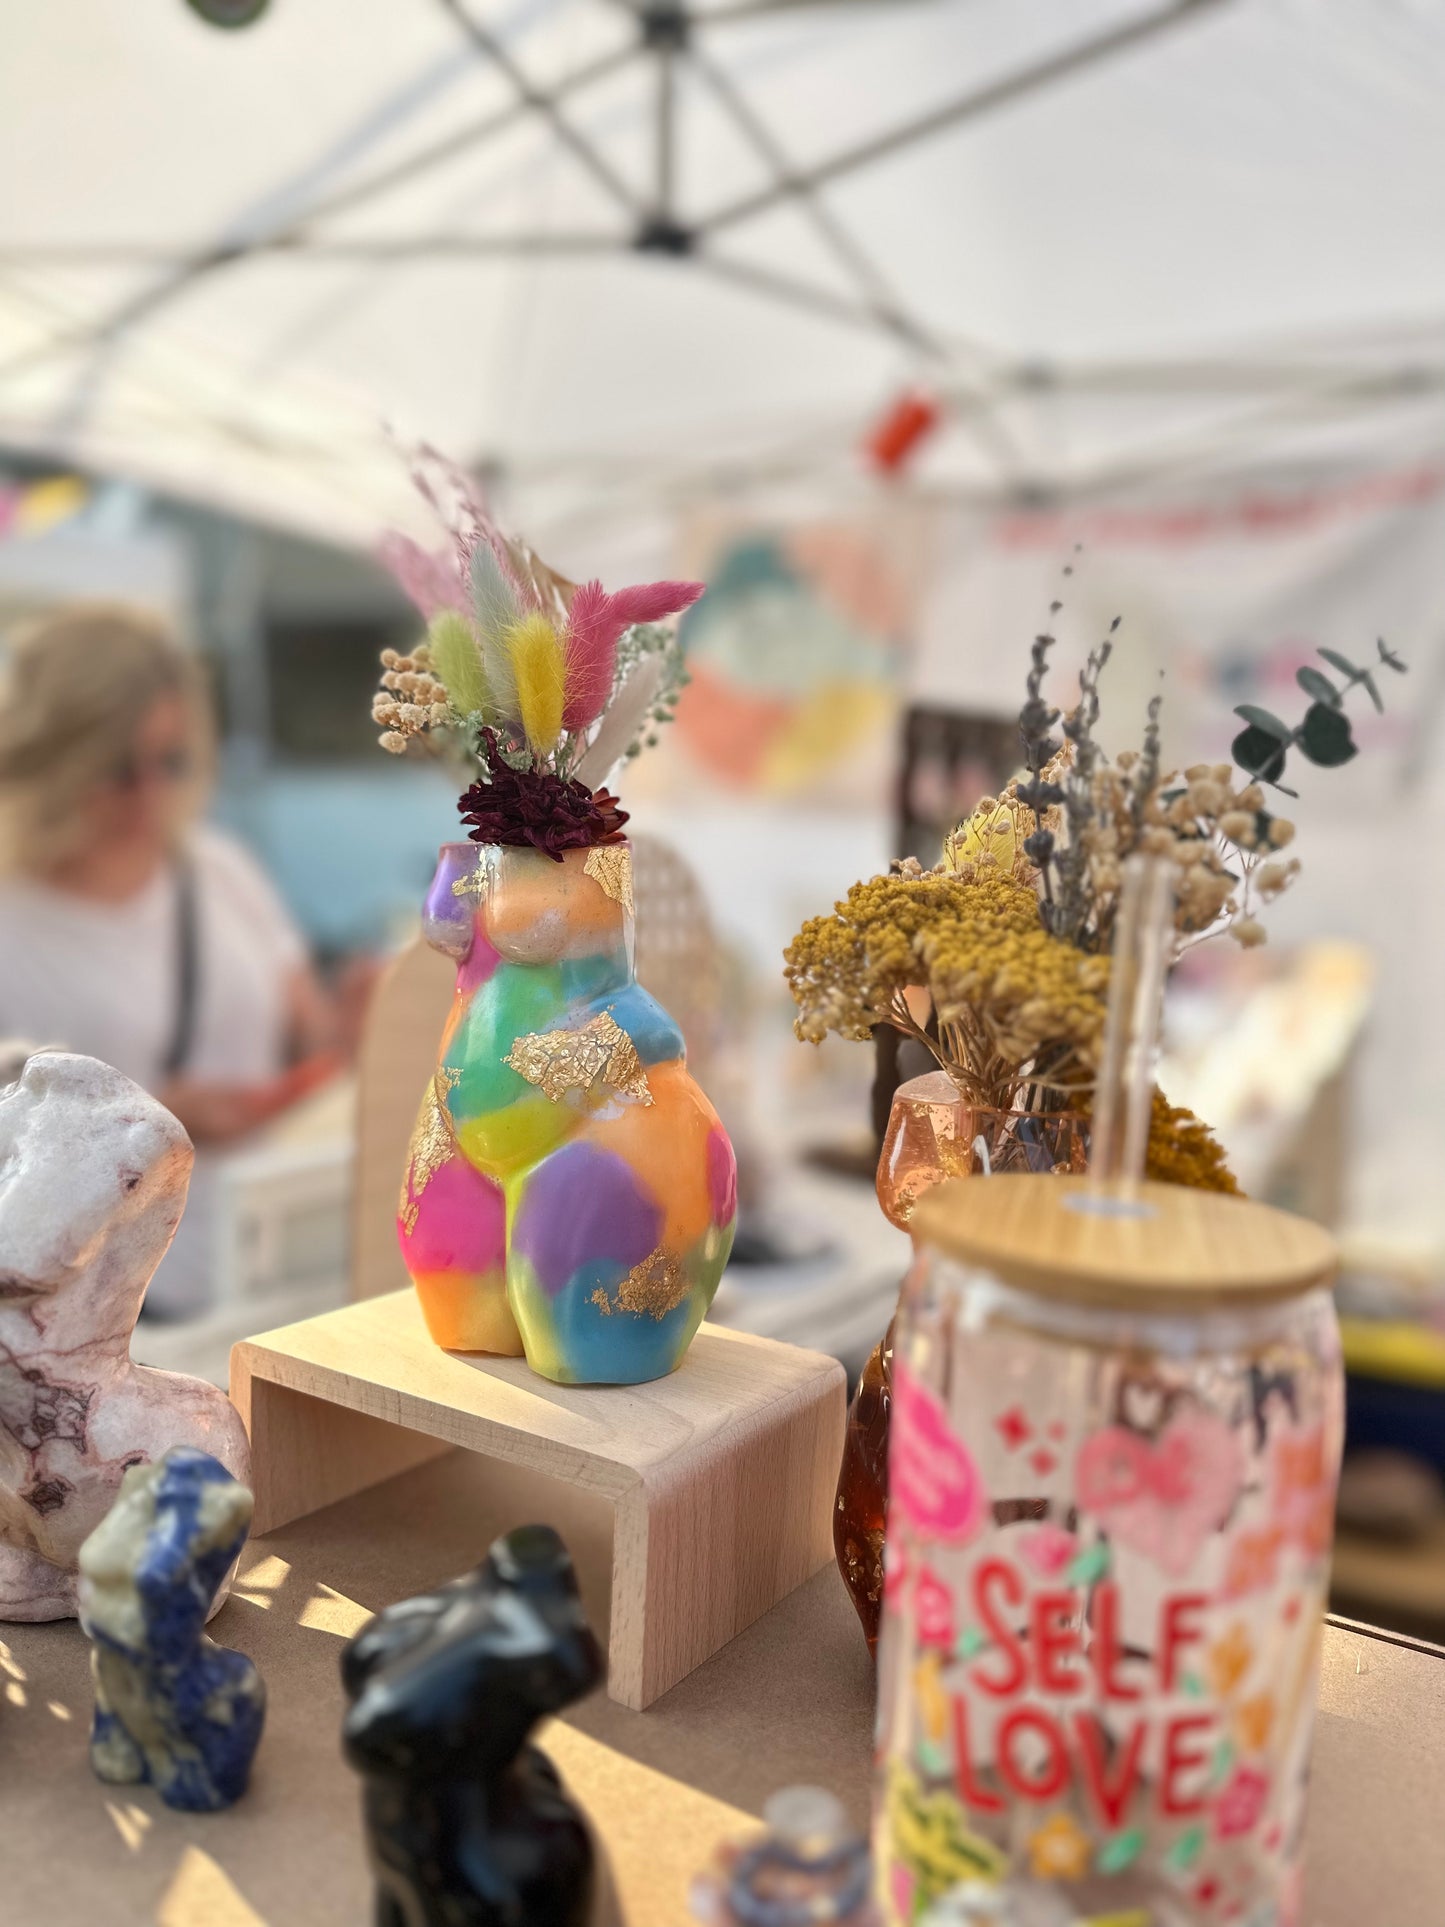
{"type": "Point", "coordinates": [536, 807]}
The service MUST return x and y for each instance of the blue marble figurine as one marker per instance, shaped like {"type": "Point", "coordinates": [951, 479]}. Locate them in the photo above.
{"type": "Point", "coordinates": [468, 1825]}
{"type": "Point", "coordinates": [172, 1708]}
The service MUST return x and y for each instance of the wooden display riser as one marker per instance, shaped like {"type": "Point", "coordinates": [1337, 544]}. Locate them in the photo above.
{"type": "Point", "coordinates": [720, 1477]}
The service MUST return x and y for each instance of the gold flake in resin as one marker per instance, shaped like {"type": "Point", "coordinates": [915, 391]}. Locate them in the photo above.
{"type": "Point", "coordinates": [656, 1286]}
{"type": "Point", "coordinates": [473, 884]}
{"type": "Point", "coordinates": [432, 1144]}
{"type": "Point", "coordinates": [610, 868]}
{"type": "Point", "coordinates": [559, 1061]}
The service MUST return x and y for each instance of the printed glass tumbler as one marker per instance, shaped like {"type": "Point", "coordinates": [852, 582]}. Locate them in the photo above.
{"type": "Point", "coordinates": [1116, 1435]}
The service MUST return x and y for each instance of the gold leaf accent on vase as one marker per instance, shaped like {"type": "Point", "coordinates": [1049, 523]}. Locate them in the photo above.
{"type": "Point", "coordinates": [656, 1286]}
{"type": "Point", "coordinates": [559, 1061]}
{"type": "Point", "coordinates": [432, 1143]}
{"type": "Point", "coordinates": [473, 884]}
{"type": "Point", "coordinates": [610, 868]}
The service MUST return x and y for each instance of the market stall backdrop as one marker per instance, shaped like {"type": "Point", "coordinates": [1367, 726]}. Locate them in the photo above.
{"type": "Point", "coordinates": [1161, 276]}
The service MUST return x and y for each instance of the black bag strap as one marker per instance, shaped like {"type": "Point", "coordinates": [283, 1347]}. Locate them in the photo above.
{"type": "Point", "coordinates": [183, 1028]}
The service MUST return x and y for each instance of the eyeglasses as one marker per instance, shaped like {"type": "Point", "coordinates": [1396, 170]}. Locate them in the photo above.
{"type": "Point", "coordinates": [128, 772]}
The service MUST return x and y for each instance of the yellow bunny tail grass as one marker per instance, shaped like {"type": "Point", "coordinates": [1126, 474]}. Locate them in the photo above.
{"type": "Point", "coordinates": [534, 651]}
{"type": "Point", "coordinates": [458, 661]}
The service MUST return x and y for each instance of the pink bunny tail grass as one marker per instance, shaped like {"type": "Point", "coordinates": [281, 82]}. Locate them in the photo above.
{"type": "Point", "coordinates": [652, 601]}
{"type": "Point", "coordinates": [590, 645]}
{"type": "Point", "coordinates": [429, 578]}
{"type": "Point", "coordinates": [595, 624]}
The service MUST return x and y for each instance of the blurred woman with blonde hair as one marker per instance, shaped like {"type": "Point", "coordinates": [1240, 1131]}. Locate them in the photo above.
{"type": "Point", "coordinates": [129, 930]}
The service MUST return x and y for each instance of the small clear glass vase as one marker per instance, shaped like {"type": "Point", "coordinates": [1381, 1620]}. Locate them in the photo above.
{"type": "Point", "coordinates": [934, 1133]}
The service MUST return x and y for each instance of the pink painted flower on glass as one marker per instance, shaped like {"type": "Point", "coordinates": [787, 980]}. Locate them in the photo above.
{"type": "Point", "coordinates": [1238, 1809]}
{"type": "Point", "coordinates": [1048, 1549]}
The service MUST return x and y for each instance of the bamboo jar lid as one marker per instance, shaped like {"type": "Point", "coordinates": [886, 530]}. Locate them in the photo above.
{"type": "Point", "coordinates": [1170, 1248]}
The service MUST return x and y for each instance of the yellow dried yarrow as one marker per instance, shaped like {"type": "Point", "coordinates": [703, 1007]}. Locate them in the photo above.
{"type": "Point", "coordinates": [1183, 1150]}
{"type": "Point", "coordinates": [1025, 991]}
{"type": "Point", "coordinates": [974, 941]}
{"type": "Point", "coordinates": [846, 970]}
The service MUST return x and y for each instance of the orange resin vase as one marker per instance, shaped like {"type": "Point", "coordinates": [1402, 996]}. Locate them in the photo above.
{"type": "Point", "coordinates": [933, 1133]}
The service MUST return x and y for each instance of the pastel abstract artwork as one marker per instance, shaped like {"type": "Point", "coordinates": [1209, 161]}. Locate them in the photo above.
{"type": "Point", "coordinates": [93, 1178]}
{"type": "Point", "coordinates": [172, 1708]}
{"type": "Point", "coordinates": [570, 1192]}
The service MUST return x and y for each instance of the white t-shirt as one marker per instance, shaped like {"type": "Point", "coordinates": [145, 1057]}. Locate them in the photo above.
{"type": "Point", "coordinates": [103, 979]}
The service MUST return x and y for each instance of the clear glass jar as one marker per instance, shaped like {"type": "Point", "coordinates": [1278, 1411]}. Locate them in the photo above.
{"type": "Point", "coordinates": [1110, 1517]}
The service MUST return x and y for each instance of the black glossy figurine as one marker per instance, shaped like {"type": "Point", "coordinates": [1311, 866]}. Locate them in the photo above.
{"type": "Point", "coordinates": [468, 1825]}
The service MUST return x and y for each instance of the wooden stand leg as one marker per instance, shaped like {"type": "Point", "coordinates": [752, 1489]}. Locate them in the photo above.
{"type": "Point", "coordinates": [307, 1453]}
{"type": "Point", "coordinates": [703, 1547]}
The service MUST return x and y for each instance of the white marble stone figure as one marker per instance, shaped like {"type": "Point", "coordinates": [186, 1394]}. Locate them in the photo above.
{"type": "Point", "coordinates": [93, 1177]}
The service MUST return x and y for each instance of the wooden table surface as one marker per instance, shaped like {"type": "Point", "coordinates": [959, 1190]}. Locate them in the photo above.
{"type": "Point", "coordinates": [789, 1700]}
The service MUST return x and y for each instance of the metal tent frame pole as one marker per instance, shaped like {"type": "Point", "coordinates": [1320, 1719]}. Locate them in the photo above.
{"type": "Point", "coordinates": [670, 33]}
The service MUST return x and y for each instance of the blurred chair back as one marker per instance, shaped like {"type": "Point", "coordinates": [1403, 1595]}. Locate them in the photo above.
{"type": "Point", "coordinates": [677, 961]}
{"type": "Point", "coordinates": [398, 1054]}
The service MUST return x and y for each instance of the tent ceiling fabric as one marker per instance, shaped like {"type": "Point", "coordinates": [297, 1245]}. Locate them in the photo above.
{"type": "Point", "coordinates": [227, 258]}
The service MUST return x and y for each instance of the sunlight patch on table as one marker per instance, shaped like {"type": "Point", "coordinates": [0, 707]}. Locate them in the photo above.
{"type": "Point", "coordinates": [267, 1576]}
{"type": "Point", "coordinates": [658, 1830]}
{"type": "Point", "coordinates": [131, 1822]}
{"type": "Point", "coordinates": [201, 1895]}
{"type": "Point", "coordinates": [329, 1611]}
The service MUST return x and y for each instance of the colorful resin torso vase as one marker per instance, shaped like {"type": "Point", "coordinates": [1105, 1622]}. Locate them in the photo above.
{"type": "Point", "coordinates": [571, 1192]}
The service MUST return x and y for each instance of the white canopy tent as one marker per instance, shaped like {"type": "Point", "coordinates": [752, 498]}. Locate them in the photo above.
{"type": "Point", "coordinates": [636, 256]}
{"type": "Point", "coordinates": [628, 250]}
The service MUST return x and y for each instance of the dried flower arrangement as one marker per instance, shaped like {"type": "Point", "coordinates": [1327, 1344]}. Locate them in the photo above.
{"type": "Point", "coordinates": [543, 684]}
{"type": "Point", "coordinates": [997, 959]}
